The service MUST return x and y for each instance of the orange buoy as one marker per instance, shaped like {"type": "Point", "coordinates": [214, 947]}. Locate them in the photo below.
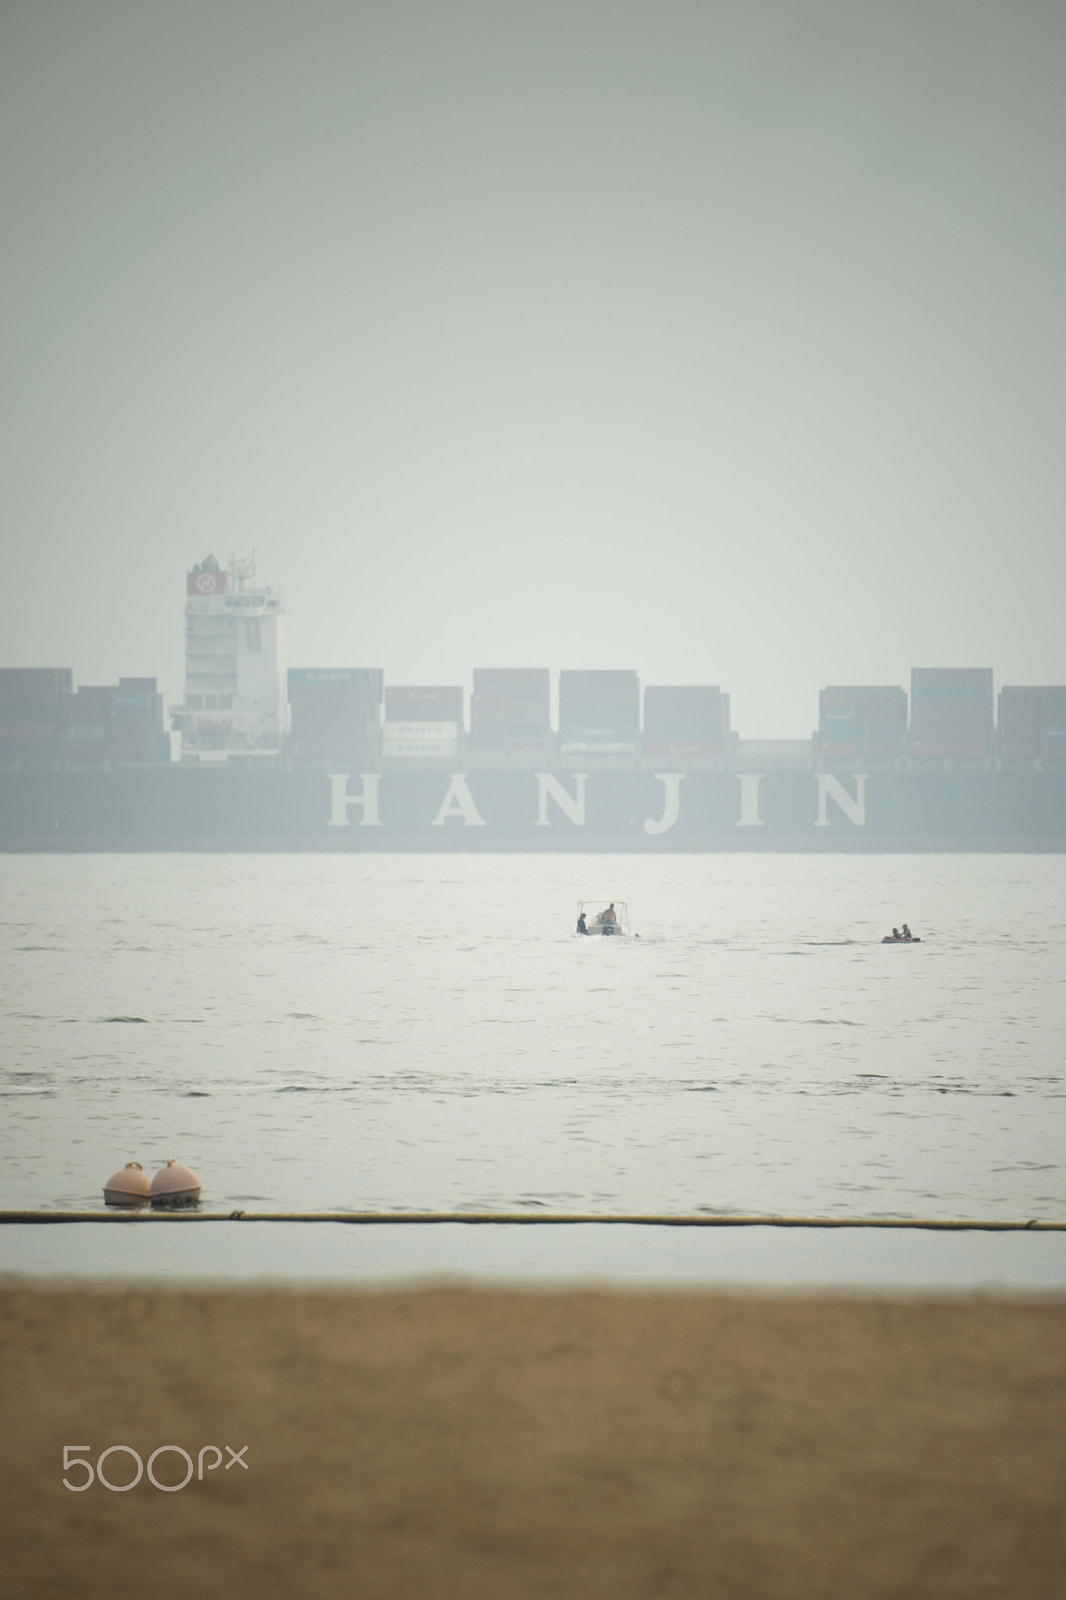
{"type": "Point", "coordinates": [128, 1187]}
{"type": "Point", "coordinates": [175, 1185]}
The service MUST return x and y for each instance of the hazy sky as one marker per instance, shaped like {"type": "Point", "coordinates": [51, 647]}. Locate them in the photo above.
{"type": "Point", "coordinates": [720, 340]}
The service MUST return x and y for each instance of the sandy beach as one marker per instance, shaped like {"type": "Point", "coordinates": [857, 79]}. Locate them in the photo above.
{"type": "Point", "coordinates": [462, 1444]}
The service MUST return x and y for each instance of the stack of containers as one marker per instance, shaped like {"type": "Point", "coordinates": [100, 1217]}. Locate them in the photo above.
{"type": "Point", "coordinates": [336, 716]}
{"type": "Point", "coordinates": [34, 702]}
{"type": "Point", "coordinates": [685, 725]}
{"type": "Point", "coordinates": [1019, 722]}
{"type": "Point", "coordinates": [1032, 723]}
{"type": "Point", "coordinates": [951, 713]}
{"type": "Point", "coordinates": [861, 722]}
{"type": "Point", "coordinates": [1053, 724]}
{"type": "Point", "coordinates": [423, 726]}
{"type": "Point", "coordinates": [839, 723]}
{"type": "Point", "coordinates": [884, 724]}
{"type": "Point", "coordinates": [90, 712]}
{"type": "Point", "coordinates": [135, 731]}
{"type": "Point", "coordinates": [599, 713]}
{"type": "Point", "coordinates": [510, 716]}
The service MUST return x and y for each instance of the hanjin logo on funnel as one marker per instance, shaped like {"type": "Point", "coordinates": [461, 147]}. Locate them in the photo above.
{"type": "Point", "coordinates": [203, 583]}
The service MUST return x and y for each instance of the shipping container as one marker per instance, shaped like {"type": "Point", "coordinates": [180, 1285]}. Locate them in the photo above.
{"type": "Point", "coordinates": [420, 750]}
{"type": "Point", "coordinates": [656, 749]}
{"type": "Point", "coordinates": [839, 700]}
{"type": "Point", "coordinates": [580, 692]}
{"type": "Point", "coordinates": [430, 703]}
{"type": "Point", "coordinates": [34, 685]}
{"type": "Point", "coordinates": [597, 746]}
{"type": "Point", "coordinates": [948, 749]}
{"type": "Point", "coordinates": [26, 729]}
{"type": "Point", "coordinates": [684, 729]}
{"type": "Point", "coordinates": [960, 684]}
{"type": "Point", "coordinates": [838, 750]}
{"type": "Point", "coordinates": [530, 681]}
{"type": "Point", "coordinates": [693, 703]}
{"type": "Point", "coordinates": [369, 680]}
{"type": "Point", "coordinates": [972, 717]}
{"type": "Point", "coordinates": [522, 709]}
{"type": "Point", "coordinates": [1019, 717]}
{"type": "Point", "coordinates": [871, 716]}
{"type": "Point", "coordinates": [411, 731]}
{"type": "Point", "coordinates": [882, 752]}
{"type": "Point", "coordinates": [488, 702]}
{"type": "Point", "coordinates": [14, 712]}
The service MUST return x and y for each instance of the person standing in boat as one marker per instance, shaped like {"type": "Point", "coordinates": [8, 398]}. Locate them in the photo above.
{"type": "Point", "coordinates": [610, 919]}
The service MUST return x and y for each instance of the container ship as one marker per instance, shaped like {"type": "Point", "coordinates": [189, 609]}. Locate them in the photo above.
{"type": "Point", "coordinates": [335, 758]}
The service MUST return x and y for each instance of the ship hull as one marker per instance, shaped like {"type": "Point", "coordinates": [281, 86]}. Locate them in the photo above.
{"type": "Point", "coordinates": [184, 808]}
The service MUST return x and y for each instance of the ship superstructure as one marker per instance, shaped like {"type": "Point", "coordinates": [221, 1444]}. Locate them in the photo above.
{"type": "Point", "coordinates": [235, 709]}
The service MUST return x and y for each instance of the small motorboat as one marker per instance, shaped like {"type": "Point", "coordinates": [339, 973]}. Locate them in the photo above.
{"type": "Point", "coordinates": [898, 938]}
{"type": "Point", "coordinates": [602, 917]}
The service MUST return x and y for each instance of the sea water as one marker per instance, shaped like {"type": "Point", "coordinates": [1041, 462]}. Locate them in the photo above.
{"type": "Point", "coordinates": [425, 1032]}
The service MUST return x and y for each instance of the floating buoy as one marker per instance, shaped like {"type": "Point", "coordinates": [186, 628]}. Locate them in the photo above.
{"type": "Point", "coordinates": [175, 1185]}
{"type": "Point", "coordinates": [128, 1187]}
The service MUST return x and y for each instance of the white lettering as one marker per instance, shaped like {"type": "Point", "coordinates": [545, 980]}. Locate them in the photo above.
{"type": "Point", "coordinates": [549, 788]}
{"type": "Point", "coordinates": [671, 802]}
{"type": "Point", "coordinates": [458, 802]}
{"type": "Point", "coordinates": [831, 788]}
{"type": "Point", "coordinates": [749, 800]}
{"type": "Point", "coordinates": [342, 801]}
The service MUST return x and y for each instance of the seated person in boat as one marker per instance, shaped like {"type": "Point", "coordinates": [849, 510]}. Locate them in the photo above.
{"type": "Point", "coordinates": [581, 927]}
